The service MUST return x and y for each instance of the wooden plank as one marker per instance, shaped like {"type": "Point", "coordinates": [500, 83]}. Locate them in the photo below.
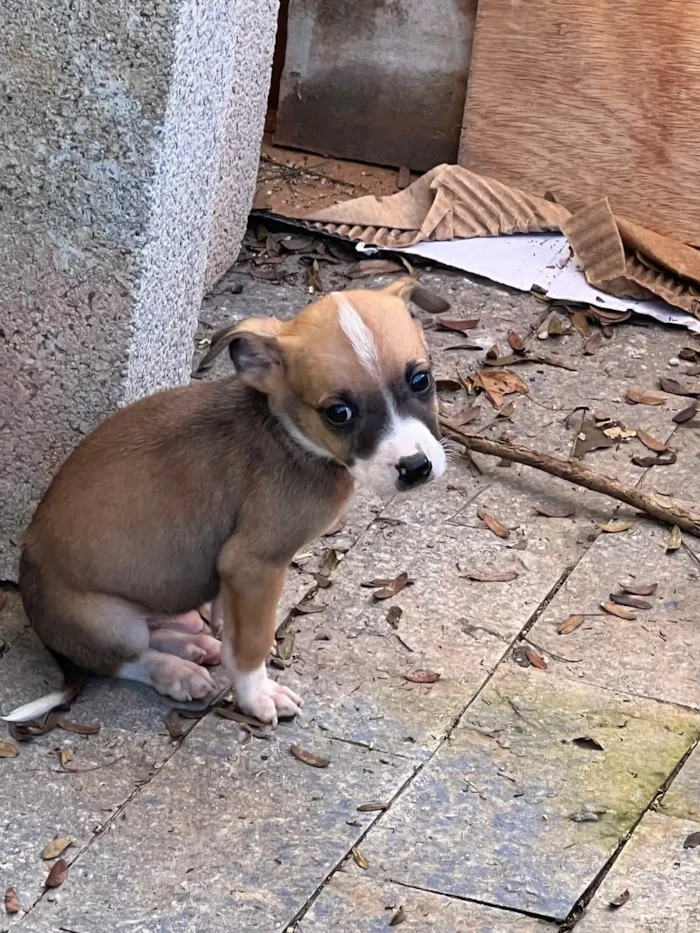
{"type": "Point", "coordinates": [376, 81]}
{"type": "Point", "coordinates": [587, 98]}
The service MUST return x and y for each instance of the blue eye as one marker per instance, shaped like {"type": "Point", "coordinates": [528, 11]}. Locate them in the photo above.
{"type": "Point", "coordinates": [338, 414]}
{"type": "Point", "coordinates": [420, 382]}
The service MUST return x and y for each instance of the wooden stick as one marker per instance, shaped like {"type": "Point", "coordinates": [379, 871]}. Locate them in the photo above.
{"type": "Point", "coordinates": [572, 471]}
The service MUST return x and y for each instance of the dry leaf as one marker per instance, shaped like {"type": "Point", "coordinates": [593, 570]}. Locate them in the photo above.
{"type": "Point", "coordinates": [65, 755]}
{"type": "Point", "coordinates": [313, 277]}
{"type": "Point", "coordinates": [590, 437]}
{"type": "Point", "coordinates": [309, 758]}
{"type": "Point", "coordinates": [674, 387]}
{"type": "Point", "coordinates": [588, 742]}
{"type": "Point", "coordinates": [456, 326]}
{"type": "Point", "coordinates": [374, 267]}
{"type": "Point", "coordinates": [692, 841]}
{"type": "Point", "coordinates": [79, 728]}
{"type": "Point", "coordinates": [309, 606]}
{"type": "Point", "coordinates": [659, 460]}
{"type": "Point", "coordinates": [11, 901]}
{"type": "Point", "coordinates": [392, 588]}
{"type": "Point", "coordinates": [372, 807]}
{"type": "Point", "coordinates": [359, 858]}
{"type": "Point", "coordinates": [614, 528]}
{"type": "Point", "coordinates": [393, 615]}
{"type": "Point", "coordinates": [620, 900]}
{"type": "Point", "coordinates": [579, 320]}
{"type": "Point", "coordinates": [641, 590]}
{"type": "Point", "coordinates": [428, 301]}
{"type": "Point", "coordinates": [557, 326]}
{"type": "Point", "coordinates": [285, 647]}
{"type": "Point", "coordinates": [515, 341]}
{"type": "Point", "coordinates": [57, 875]}
{"type": "Point", "coordinates": [675, 539]}
{"type": "Point", "coordinates": [422, 677]}
{"type": "Point", "coordinates": [504, 576]}
{"type": "Point", "coordinates": [330, 562]}
{"type": "Point", "coordinates": [535, 657]}
{"type": "Point", "coordinates": [633, 602]}
{"type": "Point", "coordinates": [173, 723]}
{"type": "Point", "coordinates": [297, 242]}
{"type": "Point", "coordinates": [56, 847]}
{"type": "Point", "coordinates": [499, 382]}
{"type": "Point", "coordinates": [652, 443]}
{"type": "Point", "coordinates": [618, 432]}
{"type": "Point", "coordinates": [554, 511]}
{"type": "Point", "coordinates": [618, 611]}
{"type": "Point", "coordinates": [493, 524]}
{"type": "Point", "coordinates": [593, 343]}
{"type": "Point", "coordinates": [3, 600]}
{"type": "Point", "coordinates": [8, 750]}
{"type": "Point", "coordinates": [643, 397]}
{"type": "Point", "coordinates": [398, 917]}
{"type": "Point", "coordinates": [686, 415]}
{"type": "Point", "coordinates": [570, 624]}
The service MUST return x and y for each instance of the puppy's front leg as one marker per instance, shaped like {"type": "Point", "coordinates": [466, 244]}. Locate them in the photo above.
{"type": "Point", "coordinates": [250, 594]}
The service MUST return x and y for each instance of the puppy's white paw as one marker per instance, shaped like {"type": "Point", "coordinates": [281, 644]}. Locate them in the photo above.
{"type": "Point", "coordinates": [259, 696]}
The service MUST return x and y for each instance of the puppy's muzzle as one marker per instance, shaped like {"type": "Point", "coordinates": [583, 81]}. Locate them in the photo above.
{"type": "Point", "coordinates": [414, 470]}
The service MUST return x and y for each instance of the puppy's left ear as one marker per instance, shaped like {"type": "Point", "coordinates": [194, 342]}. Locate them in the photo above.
{"type": "Point", "coordinates": [411, 290]}
{"type": "Point", "coordinates": [402, 288]}
{"type": "Point", "coordinates": [257, 359]}
{"type": "Point", "coordinates": [223, 338]}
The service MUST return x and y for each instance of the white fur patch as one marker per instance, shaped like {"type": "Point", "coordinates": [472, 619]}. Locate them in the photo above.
{"type": "Point", "coordinates": [359, 335]}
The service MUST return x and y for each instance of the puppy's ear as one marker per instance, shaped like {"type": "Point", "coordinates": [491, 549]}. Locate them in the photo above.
{"type": "Point", "coordinates": [257, 359]}
{"type": "Point", "coordinates": [423, 298]}
{"type": "Point", "coordinates": [402, 288]}
{"type": "Point", "coordinates": [222, 338]}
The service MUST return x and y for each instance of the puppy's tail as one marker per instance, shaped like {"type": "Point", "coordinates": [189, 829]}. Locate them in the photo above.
{"type": "Point", "coordinates": [74, 679]}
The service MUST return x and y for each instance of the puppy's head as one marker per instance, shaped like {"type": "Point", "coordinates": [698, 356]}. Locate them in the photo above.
{"type": "Point", "coordinates": [350, 380]}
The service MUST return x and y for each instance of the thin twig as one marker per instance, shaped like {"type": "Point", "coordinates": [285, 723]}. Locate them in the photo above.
{"type": "Point", "coordinates": [572, 471]}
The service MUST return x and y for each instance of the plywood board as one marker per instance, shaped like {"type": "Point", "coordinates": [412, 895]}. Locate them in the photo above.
{"type": "Point", "coordinates": [376, 81]}
{"type": "Point", "coordinates": [587, 99]}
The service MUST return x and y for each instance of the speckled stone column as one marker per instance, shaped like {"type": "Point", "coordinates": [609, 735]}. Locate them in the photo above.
{"type": "Point", "coordinates": [113, 118]}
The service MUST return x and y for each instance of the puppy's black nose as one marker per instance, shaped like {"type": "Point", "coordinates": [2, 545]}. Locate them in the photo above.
{"type": "Point", "coordinates": [414, 469]}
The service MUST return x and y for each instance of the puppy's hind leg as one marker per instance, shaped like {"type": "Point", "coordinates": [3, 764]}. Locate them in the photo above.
{"type": "Point", "coordinates": [172, 676]}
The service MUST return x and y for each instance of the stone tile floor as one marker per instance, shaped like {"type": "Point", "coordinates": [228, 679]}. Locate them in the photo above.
{"type": "Point", "coordinates": [509, 799]}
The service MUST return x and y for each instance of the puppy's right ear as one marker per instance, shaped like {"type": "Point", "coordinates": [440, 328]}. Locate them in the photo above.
{"type": "Point", "coordinates": [258, 360]}
{"type": "Point", "coordinates": [224, 338]}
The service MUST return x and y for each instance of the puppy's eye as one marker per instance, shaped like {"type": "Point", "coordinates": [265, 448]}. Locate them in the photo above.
{"type": "Point", "coordinates": [338, 414]}
{"type": "Point", "coordinates": [420, 382]}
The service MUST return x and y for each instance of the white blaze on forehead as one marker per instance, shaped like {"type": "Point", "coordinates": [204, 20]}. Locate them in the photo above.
{"type": "Point", "coordinates": [359, 335]}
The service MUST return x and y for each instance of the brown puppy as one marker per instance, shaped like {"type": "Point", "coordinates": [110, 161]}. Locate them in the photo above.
{"type": "Point", "coordinates": [205, 493]}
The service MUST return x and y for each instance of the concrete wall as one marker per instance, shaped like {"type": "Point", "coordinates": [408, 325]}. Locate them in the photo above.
{"type": "Point", "coordinates": [113, 118]}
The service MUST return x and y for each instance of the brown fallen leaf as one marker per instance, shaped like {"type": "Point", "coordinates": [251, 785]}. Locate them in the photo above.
{"type": "Point", "coordinates": [392, 588]}
{"type": "Point", "coordinates": [505, 576]}
{"type": "Point", "coordinates": [570, 624]}
{"type": "Point", "coordinates": [692, 841]}
{"type": "Point", "coordinates": [642, 589]}
{"type": "Point", "coordinates": [56, 847]}
{"type": "Point", "coordinates": [614, 528]}
{"type": "Point", "coordinates": [428, 301]}
{"type": "Point", "coordinates": [515, 341]}
{"type": "Point", "coordinates": [79, 728]}
{"type": "Point", "coordinates": [65, 755]}
{"type": "Point", "coordinates": [659, 460]}
{"type": "Point", "coordinates": [590, 437]}
{"type": "Point", "coordinates": [8, 750]}
{"type": "Point", "coordinates": [620, 900]}
{"type": "Point", "coordinates": [174, 725]}
{"type": "Point", "coordinates": [372, 807]}
{"type": "Point", "coordinates": [554, 511]}
{"type": "Point", "coordinates": [497, 383]}
{"type": "Point", "coordinates": [3, 600]}
{"type": "Point", "coordinates": [690, 354]}
{"type": "Point", "coordinates": [557, 326]}
{"type": "Point", "coordinates": [285, 646]}
{"type": "Point", "coordinates": [593, 343]}
{"type": "Point", "coordinates": [297, 242]}
{"type": "Point", "coordinates": [313, 277]}
{"type": "Point", "coordinates": [675, 387]}
{"type": "Point", "coordinates": [309, 758]}
{"type": "Point", "coordinates": [394, 615]}
{"type": "Point", "coordinates": [448, 385]}
{"type": "Point", "coordinates": [643, 397]}
{"type": "Point", "coordinates": [588, 742]}
{"type": "Point", "coordinates": [651, 442]}
{"type": "Point", "coordinates": [493, 524]}
{"type": "Point", "coordinates": [456, 326]}
{"type": "Point", "coordinates": [12, 901]}
{"type": "Point", "coordinates": [675, 539]}
{"type": "Point", "coordinates": [579, 320]}
{"type": "Point", "coordinates": [360, 860]}
{"type": "Point", "coordinates": [422, 677]}
{"type": "Point", "coordinates": [374, 267]}
{"type": "Point", "coordinates": [398, 917]}
{"type": "Point", "coordinates": [535, 657]}
{"type": "Point", "coordinates": [57, 875]}
{"type": "Point", "coordinates": [633, 602]}
{"type": "Point", "coordinates": [618, 611]}
{"type": "Point", "coordinates": [309, 607]}
{"type": "Point", "coordinates": [686, 415]}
